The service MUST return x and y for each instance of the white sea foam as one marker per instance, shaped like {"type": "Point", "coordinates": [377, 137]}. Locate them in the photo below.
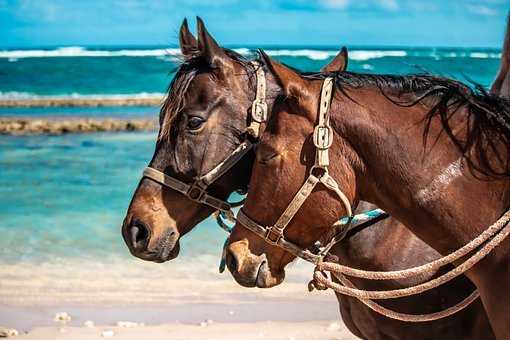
{"type": "Point", "coordinates": [173, 53]}
{"type": "Point", "coordinates": [362, 55]}
{"type": "Point", "coordinates": [243, 51]}
{"type": "Point", "coordinates": [312, 54]}
{"type": "Point", "coordinates": [77, 51]}
{"type": "Point", "coordinates": [15, 95]}
{"type": "Point", "coordinates": [484, 55]}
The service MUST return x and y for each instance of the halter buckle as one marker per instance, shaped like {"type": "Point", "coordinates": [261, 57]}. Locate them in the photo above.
{"type": "Point", "coordinates": [195, 192]}
{"type": "Point", "coordinates": [273, 235]}
{"type": "Point", "coordinates": [259, 111]}
{"type": "Point", "coordinates": [322, 137]}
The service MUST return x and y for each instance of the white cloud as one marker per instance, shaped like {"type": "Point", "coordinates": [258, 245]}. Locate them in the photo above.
{"type": "Point", "coordinates": [336, 3]}
{"type": "Point", "coordinates": [391, 5]}
{"type": "Point", "coordinates": [482, 10]}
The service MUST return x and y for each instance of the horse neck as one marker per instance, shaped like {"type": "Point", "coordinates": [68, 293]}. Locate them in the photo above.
{"type": "Point", "coordinates": [428, 187]}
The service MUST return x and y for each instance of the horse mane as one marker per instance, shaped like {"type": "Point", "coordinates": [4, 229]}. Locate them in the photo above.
{"type": "Point", "coordinates": [190, 66]}
{"type": "Point", "coordinates": [488, 115]}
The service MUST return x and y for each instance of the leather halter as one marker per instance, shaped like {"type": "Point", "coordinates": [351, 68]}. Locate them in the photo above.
{"type": "Point", "coordinates": [197, 190]}
{"type": "Point", "coordinates": [322, 139]}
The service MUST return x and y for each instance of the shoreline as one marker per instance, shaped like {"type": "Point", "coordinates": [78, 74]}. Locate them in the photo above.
{"type": "Point", "coordinates": [168, 300]}
{"type": "Point", "coordinates": [16, 126]}
{"type": "Point", "coordinates": [132, 290]}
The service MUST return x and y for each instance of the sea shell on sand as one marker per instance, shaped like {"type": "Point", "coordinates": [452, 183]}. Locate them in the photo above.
{"type": "Point", "coordinates": [206, 323]}
{"type": "Point", "coordinates": [8, 332]}
{"type": "Point", "coordinates": [107, 333]}
{"type": "Point", "coordinates": [129, 324]}
{"type": "Point", "coordinates": [89, 324]}
{"type": "Point", "coordinates": [62, 317]}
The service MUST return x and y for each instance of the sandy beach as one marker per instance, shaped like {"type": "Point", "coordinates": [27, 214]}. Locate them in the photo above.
{"type": "Point", "coordinates": [137, 300]}
{"type": "Point", "coordinates": [258, 330]}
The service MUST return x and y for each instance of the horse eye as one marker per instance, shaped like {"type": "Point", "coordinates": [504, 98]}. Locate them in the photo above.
{"type": "Point", "coordinates": [194, 123]}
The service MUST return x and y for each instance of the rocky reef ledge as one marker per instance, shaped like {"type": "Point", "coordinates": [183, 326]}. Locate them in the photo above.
{"type": "Point", "coordinates": [87, 102]}
{"type": "Point", "coordinates": [59, 126]}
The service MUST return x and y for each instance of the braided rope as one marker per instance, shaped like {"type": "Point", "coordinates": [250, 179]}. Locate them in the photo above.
{"type": "Point", "coordinates": [426, 268]}
{"type": "Point", "coordinates": [323, 281]}
{"type": "Point", "coordinates": [411, 317]}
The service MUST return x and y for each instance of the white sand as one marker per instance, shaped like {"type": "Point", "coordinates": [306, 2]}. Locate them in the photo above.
{"type": "Point", "coordinates": [171, 300]}
{"type": "Point", "coordinates": [225, 331]}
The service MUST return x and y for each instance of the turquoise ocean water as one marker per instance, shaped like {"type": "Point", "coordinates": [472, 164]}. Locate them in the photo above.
{"type": "Point", "coordinates": [65, 196]}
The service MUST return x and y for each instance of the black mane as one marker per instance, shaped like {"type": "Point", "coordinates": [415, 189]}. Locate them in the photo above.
{"type": "Point", "coordinates": [487, 145]}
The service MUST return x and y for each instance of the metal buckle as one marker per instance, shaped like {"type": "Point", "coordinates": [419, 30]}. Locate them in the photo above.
{"type": "Point", "coordinates": [323, 137]}
{"type": "Point", "coordinates": [259, 111]}
{"type": "Point", "coordinates": [195, 192]}
{"type": "Point", "coordinates": [273, 231]}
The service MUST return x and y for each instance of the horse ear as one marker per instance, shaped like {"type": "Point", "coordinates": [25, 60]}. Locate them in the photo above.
{"type": "Point", "coordinates": [291, 82]}
{"type": "Point", "coordinates": [209, 48]}
{"type": "Point", "coordinates": [339, 63]}
{"type": "Point", "coordinates": [187, 40]}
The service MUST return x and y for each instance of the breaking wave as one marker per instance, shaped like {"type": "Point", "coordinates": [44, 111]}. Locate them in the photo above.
{"type": "Point", "coordinates": [314, 54]}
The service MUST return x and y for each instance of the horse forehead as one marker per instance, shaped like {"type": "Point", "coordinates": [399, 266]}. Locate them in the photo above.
{"type": "Point", "coordinates": [205, 87]}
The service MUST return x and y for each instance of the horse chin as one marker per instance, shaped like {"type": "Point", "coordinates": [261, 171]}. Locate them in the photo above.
{"type": "Point", "coordinates": [265, 279]}
{"type": "Point", "coordinates": [168, 255]}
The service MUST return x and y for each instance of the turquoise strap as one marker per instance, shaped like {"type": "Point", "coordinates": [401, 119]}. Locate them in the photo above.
{"type": "Point", "coordinates": [365, 216]}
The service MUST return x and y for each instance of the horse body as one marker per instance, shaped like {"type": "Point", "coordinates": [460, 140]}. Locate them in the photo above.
{"type": "Point", "coordinates": [379, 156]}
{"type": "Point", "coordinates": [439, 198]}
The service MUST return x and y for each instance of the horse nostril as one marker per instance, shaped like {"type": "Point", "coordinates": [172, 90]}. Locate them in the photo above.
{"type": "Point", "coordinates": [139, 235]}
{"type": "Point", "coordinates": [231, 262]}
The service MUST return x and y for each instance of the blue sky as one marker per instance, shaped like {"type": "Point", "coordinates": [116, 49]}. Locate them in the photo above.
{"type": "Point", "coordinates": [469, 23]}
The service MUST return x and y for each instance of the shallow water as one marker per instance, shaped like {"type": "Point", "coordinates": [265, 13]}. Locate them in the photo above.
{"type": "Point", "coordinates": [65, 196]}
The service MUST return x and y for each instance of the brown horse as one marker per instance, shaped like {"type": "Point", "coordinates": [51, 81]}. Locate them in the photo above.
{"type": "Point", "coordinates": [430, 151]}
{"type": "Point", "coordinates": [203, 119]}
{"type": "Point", "coordinates": [206, 109]}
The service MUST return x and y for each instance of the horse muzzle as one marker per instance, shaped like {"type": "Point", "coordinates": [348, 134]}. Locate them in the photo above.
{"type": "Point", "coordinates": [147, 245]}
{"type": "Point", "coordinates": [251, 270]}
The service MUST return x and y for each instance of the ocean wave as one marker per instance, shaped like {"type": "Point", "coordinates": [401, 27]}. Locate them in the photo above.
{"type": "Point", "coordinates": [484, 55]}
{"type": "Point", "coordinates": [173, 54]}
{"type": "Point", "coordinates": [15, 95]}
{"type": "Point", "coordinates": [362, 55]}
{"type": "Point", "coordinates": [311, 54]}
{"type": "Point", "coordinates": [77, 51]}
